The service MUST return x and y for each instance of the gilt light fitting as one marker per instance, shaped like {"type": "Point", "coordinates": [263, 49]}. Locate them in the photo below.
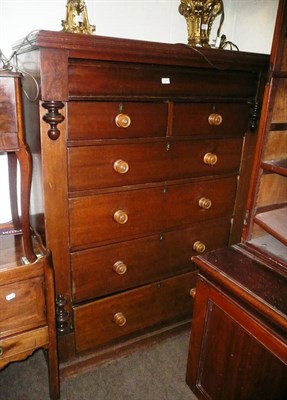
{"type": "Point", "coordinates": [77, 20]}
{"type": "Point", "coordinates": [199, 15]}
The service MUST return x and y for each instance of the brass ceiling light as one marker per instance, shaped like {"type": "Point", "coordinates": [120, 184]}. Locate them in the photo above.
{"type": "Point", "coordinates": [199, 15]}
{"type": "Point", "coordinates": [77, 20]}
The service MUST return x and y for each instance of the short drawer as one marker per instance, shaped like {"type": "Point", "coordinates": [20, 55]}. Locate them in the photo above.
{"type": "Point", "coordinates": [210, 119]}
{"type": "Point", "coordinates": [116, 120]}
{"type": "Point", "coordinates": [115, 317]}
{"type": "Point", "coordinates": [22, 306]}
{"type": "Point", "coordinates": [108, 269]}
{"type": "Point", "coordinates": [127, 164]}
{"type": "Point", "coordinates": [102, 79]}
{"type": "Point", "coordinates": [22, 345]}
{"type": "Point", "coordinates": [125, 214]}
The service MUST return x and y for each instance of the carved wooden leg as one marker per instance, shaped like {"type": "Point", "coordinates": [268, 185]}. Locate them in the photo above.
{"type": "Point", "coordinates": [25, 163]}
{"type": "Point", "coordinates": [12, 171]}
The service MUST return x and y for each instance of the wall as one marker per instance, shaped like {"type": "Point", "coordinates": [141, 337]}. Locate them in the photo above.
{"type": "Point", "coordinates": [248, 23]}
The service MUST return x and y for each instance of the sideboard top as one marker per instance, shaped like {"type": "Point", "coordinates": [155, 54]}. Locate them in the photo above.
{"type": "Point", "coordinates": [130, 50]}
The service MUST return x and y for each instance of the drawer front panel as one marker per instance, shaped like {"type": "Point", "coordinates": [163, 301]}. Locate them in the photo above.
{"type": "Point", "coordinates": [218, 118]}
{"type": "Point", "coordinates": [22, 306]}
{"type": "Point", "coordinates": [108, 269]}
{"type": "Point", "coordinates": [101, 120]}
{"type": "Point", "coordinates": [96, 322]}
{"type": "Point", "coordinates": [149, 162]}
{"type": "Point", "coordinates": [108, 79]}
{"type": "Point", "coordinates": [93, 219]}
{"type": "Point", "coordinates": [98, 164]}
{"type": "Point", "coordinates": [185, 203]}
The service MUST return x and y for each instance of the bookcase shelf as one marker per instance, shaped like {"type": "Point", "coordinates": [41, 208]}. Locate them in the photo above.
{"type": "Point", "coordinates": [274, 222]}
{"type": "Point", "coordinates": [277, 166]}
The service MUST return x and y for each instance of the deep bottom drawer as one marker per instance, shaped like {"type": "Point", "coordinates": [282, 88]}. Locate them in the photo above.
{"type": "Point", "coordinates": [117, 316]}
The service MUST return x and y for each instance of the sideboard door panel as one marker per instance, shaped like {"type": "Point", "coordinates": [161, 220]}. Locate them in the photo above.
{"type": "Point", "coordinates": [232, 355]}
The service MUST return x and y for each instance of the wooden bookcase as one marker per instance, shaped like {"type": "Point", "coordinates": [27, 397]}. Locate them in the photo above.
{"type": "Point", "coordinates": [238, 341]}
{"type": "Point", "coordinates": [266, 229]}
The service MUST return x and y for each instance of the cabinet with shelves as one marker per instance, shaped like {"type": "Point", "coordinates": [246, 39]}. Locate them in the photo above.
{"type": "Point", "coordinates": [239, 320]}
{"type": "Point", "coordinates": [267, 225]}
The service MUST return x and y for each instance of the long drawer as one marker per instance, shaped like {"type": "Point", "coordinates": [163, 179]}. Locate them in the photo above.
{"type": "Point", "coordinates": [126, 214]}
{"type": "Point", "coordinates": [115, 317]}
{"type": "Point", "coordinates": [127, 164]}
{"type": "Point", "coordinates": [92, 78]}
{"type": "Point", "coordinates": [111, 268]}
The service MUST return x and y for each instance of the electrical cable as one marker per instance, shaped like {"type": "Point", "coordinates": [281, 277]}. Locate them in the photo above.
{"type": "Point", "coordinates": [8, 64]}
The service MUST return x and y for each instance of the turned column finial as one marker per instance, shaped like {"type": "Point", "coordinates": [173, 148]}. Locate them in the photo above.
{"type": "Point", "coordinates": [53, 117]}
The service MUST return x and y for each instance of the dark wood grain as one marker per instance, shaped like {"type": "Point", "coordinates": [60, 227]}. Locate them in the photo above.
{"type": "Point", "coordinates": [250, 277]}
{"type": "Point", "coordinates": [228, 345]}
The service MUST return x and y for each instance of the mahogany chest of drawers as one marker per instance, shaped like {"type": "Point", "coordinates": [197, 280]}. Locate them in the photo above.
{"type": "Point", "coordinates": [142, 155]}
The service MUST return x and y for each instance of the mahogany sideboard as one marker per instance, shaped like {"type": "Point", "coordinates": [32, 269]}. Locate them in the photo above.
{"type": "Point", "coordinates": [238, 346]}
{"type": "Point", "coordinates": [142, 155]}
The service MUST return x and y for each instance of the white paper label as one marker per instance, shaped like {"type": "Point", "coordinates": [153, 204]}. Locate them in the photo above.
{"type": "Point", "coordinates": [10, 296]}
{"type": "Point", "coordinates": [80, 18]}
{"type": "Point", "coordinates": [165, 81]}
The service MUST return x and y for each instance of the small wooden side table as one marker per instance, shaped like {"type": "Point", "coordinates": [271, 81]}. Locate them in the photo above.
{"type": "Point", "coordinates": [27, 307]}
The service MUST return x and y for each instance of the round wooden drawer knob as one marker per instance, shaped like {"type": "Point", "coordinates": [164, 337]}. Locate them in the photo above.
{"type": "Point", "coordinates": [120, 319]}
{"type": "Point", "coordinates": [1, 351]}
{"type": "Point", "coordinates": [120, 268]}
{"type": "Point", "coordinates": [199, 247]}
{"type": "Point", "coordinates": [121, 167]}
{"type": "Point", "coordinates": [121, 217]}
{"type": "Point", "coordinates": [210, 159]}
{"type": "Point", "coordinates": [204, 203]}
{"type": "Point", "coordinates": [123, 120]}
{"type": "Point", "coordinates": [215, 119]}
{"type": "Point", "coordinates": [192, 293]}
